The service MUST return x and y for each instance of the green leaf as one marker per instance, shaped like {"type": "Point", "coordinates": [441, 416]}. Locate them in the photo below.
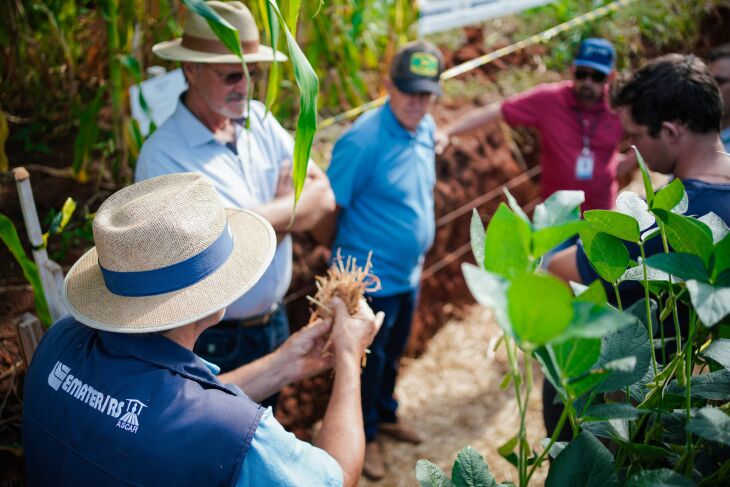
{"type": "Point", "coordinates": [560, 207]}
{"type": "Point", "coordinates": [547, 238]}
{"type": "Point", "coordinates": [631, 204]}
{"type": "Point", "coordinates": [490, 290]}
{"type": "Point", "coordinates": [652, 275]}
{"type": "Point", "coordinates": [602, 412]}
{"type": "Point", "coordinates": [476, 230]}
{"type": "Point", "coordinates": [722, 257]}
{"type": "Point", "coordinates": [272, 27]}
{"type": "Point", "coordinates": [614, 223]}
{"type": "Point", "coordinates": [662, 477]}
{"type": "Point", "coordinates": [585, 462]}
{"type": "Point", "coordinates": [717, 226]}
{"type": "Point", "coordinates": [86, 137]}
{"type": "Point", "coordinates": [669, 196]}
{"type": "Point", "coordinates": [470, 470]}
{"type": "Point", "coordinates": [507, 244]}
{"type": "Point", "coordinates": [613, 429]}
{"type": "Point", "coordinates": [430, 475]}
{"type": "Point", "coordinates": [515, 205]}
{"type": "Point", "coordinates": [645, 177]}
{"type": "Point", "coordinates": [549, 311]}
{"type": "Point", "coordinates": [606, 253]}
{"type": "Point", "coordinates": [595, 321]}
{"type": "Point", "coordinates": [711, 303]}
{"type": "Point", "coordinates": [711, 423]}
{"type": "Point", "coordinates": [9, 236]}
{"type": "Point", "coordinates": [631, 341]}
{"type": "Point", "coordinates": [713, 386]}
{"type": "Point", "coordinates": [686, 234]}
{"type": "Point", "coordinates": [719, 351]}
{"type": "Point", "coordinates": [576, 356]}
{"type": "Point", "coordinates": [227, 34]}
{"type": "Point", "coordinates": [595, 293]}
{"type": "Point", "coordinates": [308, 84]}
{"type": "Point", "coordinates": [685, 266]}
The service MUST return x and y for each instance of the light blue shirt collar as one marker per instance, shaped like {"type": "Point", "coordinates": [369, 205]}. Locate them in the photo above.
{"type": "Point", "coordinates": [394, 127]}
{"type": "Point", "coordinates": [197, 134]}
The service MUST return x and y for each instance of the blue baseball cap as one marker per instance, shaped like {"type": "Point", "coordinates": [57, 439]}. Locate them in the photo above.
{"type": "Point", "coordinates": [597, 54]}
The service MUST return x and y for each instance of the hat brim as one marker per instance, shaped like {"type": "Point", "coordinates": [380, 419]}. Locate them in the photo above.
{"type": "Point", "coordinates": [89, 301]}
{"type": "Point", "coordinates": [598, 67]}
{"type": "Point", "coordinates": [417, 85]}
{"type": "Point", "coordinates": [174, 51]}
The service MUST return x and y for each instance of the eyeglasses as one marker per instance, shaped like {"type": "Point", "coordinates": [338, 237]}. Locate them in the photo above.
{"type": "Point", "coordinates": [235, 77]}
{"type": "Point", "coordinates": [596, 76]}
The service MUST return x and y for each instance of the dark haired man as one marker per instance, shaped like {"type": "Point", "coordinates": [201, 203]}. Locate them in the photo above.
{"type": "Point", "coordinates": [718, 62]}
{"type": "Point", "coordinates": [579, 135]}
{"type": "Point", "coordinates": [676, 129]}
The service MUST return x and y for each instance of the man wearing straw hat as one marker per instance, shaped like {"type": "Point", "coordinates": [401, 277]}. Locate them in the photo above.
{"type": "Point", "coordinates": [383, 175]}
{"type": "Point", "coordinates": [249, 167]}
{"type": "Point", "coordinates": [115, 394]}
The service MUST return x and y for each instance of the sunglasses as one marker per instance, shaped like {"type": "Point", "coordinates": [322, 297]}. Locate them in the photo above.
{"type": "Point", "coordinates": [230, 79]}
{"type": "Point", "coordinates": [596, 76]}
{"type": "Point", "coordinates": [721, 81]}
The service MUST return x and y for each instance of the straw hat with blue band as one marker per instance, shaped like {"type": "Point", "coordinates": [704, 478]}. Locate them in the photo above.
{"type": "Point", "coordinates": [167, 254]}
{"type": "Point", "coordinates": [199, 44]}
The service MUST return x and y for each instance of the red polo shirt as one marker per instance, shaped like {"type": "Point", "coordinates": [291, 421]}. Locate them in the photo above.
{"type": "Point", "coordinates": [554, 111]}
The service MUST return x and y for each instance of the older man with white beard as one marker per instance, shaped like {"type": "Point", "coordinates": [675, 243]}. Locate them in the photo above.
{"type": "Point", "coordinates": [249, 167]}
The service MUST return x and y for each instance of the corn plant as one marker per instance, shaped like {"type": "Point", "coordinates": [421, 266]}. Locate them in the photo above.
{"type": "Point", "coordinates": [661, 413]}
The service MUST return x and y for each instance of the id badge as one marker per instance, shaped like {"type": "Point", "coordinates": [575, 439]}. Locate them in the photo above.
{"type": "Point", "coordinates": [584, 165]}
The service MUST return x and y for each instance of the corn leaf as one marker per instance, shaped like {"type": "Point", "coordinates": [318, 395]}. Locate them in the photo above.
{"type": "Point", "coordinates": [9, 236]}
{"type": "Point", "coordinates": [293, 15]}
{"type": "Point", "coordinates": [272, 27]}
{"type": "Point", "coordinates": [86, 138]}
{"type": "Point", "coordinates": [308, 84]}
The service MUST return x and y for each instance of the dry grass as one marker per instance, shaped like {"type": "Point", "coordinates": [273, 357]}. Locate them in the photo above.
{"type": "Point", "coordinates": [452, 395]}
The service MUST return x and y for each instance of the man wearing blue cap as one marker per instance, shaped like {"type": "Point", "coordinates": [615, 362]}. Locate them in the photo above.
{"type": "Point", "coordinates": [579, 135]}
{"type": "Point", "coordinates": [383, 174]}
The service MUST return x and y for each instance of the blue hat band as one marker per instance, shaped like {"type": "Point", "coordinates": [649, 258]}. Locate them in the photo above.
{"type": "Point", "coordinates": [173, 277]}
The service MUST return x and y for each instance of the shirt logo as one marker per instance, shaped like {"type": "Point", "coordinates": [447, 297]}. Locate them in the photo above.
{"type": "Point", "coordinates": [57, 375]}
{"type": "Point", "coordinates": [130, 420]}
{"type": "Point", "coordinates": [424, 64]}
{"type": "Point", "coordinates": [61, 379]}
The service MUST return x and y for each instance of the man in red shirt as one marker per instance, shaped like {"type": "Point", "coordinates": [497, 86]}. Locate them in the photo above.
{"type": "Point", "coordinates": [579, 134]}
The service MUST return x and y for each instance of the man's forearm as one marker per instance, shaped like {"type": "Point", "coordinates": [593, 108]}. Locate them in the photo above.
{"type": "Point", "coordinates": [261, 378]}
{"type": "Point", "coordinates": [342, 434]}
{"type": "Point", "coordinates": [475, 118]}
{"type": "Point", "coordinates": [316, 201]}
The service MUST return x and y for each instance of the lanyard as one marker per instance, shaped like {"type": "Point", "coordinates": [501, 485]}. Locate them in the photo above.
{"type": "Point", "coordinates": [587, 129]}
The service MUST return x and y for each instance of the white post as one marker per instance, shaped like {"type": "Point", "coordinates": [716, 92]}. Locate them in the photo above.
{"type": "Point", "coordinates": [49, 270]}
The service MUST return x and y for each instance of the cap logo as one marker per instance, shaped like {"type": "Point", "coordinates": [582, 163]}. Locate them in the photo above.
{"type": "Point", "coordinates": [424, 64]}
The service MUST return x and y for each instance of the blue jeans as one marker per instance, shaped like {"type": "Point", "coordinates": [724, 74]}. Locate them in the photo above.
{"type": "Point", "coordinates": [232, 347]}
{"type": "Point", "coordinates": [378, 378]}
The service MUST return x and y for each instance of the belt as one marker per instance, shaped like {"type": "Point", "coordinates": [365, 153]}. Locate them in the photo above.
{"type": "Point", "coordinates": [252, 322]}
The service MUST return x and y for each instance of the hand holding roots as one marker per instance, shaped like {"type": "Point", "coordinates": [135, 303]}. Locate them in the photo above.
{"type": "Point", "coordinates": [347, 281]}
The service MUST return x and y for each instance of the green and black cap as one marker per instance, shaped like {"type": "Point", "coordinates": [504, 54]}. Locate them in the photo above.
{"type": "Point", "coordinates": [416, 68]}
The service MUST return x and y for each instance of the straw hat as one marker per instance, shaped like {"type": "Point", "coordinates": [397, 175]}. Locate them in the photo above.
{"type": "Point", "coordinates": [167, 254]}
{"type": "Point", "coordinates": [199, 44]}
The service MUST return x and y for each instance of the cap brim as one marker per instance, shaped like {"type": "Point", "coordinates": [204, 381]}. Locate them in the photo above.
{"type": "Point", "coordinates": [598, 67]}
{"type": "Point", "coordinates": [417, 85]}
{"type": "Point", "coordinates": [174, 51]}
{"type": "Point", "coordinates": [89, 301]}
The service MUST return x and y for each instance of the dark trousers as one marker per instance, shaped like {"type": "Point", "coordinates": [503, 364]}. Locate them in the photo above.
{"type": "Point", "coordinates": [378, 378]}
{"type": "Point", "coordinates": [231, 347]}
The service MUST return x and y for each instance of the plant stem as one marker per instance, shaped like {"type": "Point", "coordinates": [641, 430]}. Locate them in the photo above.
{"type": "Point", "coordinates": [618, 297]}
{"type": "Point", "coordinates": [675, 315]}
{"type": "Point", "coordinates": [553, 439]}
{"type": "Point", "coordinates": [648, 308]}
{"type": "Point", "coordinates": [517, 380]}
